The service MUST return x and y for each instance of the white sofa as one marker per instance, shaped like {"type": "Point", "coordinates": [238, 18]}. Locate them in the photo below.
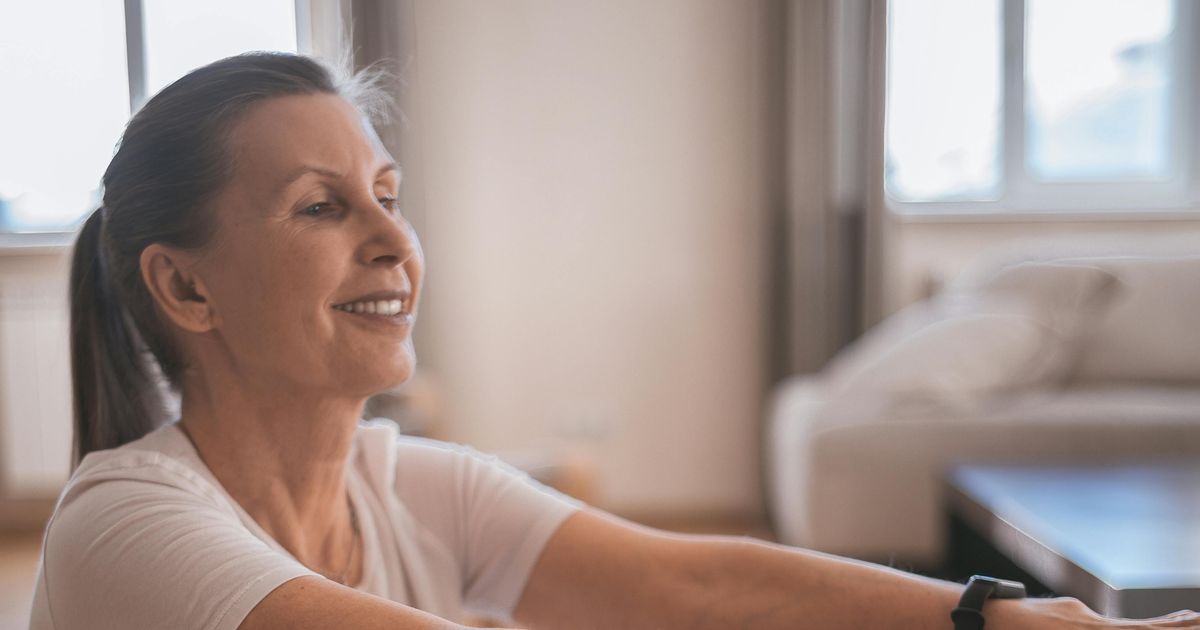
{"type": "Point", "coordinates": [1067, 360]}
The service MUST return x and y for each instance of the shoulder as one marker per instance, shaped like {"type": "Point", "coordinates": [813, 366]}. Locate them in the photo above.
{"type": "Point", "coordinates": [156, 464]}
{"type": "Point", "coordinates": [125, 496]}
{"type": "Point", "coordinates": [139, 484]}
{"type": "Point", "coordinates": [140, 538]}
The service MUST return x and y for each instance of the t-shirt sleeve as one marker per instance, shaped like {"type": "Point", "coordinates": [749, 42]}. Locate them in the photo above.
{"type": "Point", "coordinates": [146, 548]}
{"type": "Point", "coordinates": [495, 518]}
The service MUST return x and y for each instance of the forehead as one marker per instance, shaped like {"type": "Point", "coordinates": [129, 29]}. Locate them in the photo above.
{"type": "Point", "coordinates": [275, 136]}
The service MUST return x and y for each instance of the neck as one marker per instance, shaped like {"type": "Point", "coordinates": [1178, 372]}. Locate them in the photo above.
{"type": "Point", "coordinates": [282, 457]}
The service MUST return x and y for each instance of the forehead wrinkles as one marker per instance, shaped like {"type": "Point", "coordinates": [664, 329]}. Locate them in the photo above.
{"type": "Point", "coordinates": [275, 140]}
{"type": "Point", "coordinates": [328, 133]}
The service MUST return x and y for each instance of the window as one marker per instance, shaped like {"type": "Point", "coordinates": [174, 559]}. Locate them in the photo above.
{"type": "Point", "coordinates": [79, 73]}
{"type": "Point", "coordinates": [229, 27]}
{"type": "Point", "coordinates": [1042, 105]}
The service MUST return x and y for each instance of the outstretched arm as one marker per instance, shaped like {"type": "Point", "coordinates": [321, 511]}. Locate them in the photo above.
{"type": "Point", "coordinates": [314, 603]}
{"type": "Point", "coordinates": [599, 571]}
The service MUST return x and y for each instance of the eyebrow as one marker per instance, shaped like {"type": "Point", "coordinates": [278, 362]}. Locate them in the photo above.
{"type": "Point", "coordinates": [332, 174]}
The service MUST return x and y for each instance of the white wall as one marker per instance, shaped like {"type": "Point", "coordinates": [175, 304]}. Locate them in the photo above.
{"type": "Point", "coordinates": [593, 210]}
{"type": "Point", "coordinates": [35, 376]}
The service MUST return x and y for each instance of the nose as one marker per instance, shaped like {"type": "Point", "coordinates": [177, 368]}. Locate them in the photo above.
{"type": "Point", "coordinates": [388, 240]}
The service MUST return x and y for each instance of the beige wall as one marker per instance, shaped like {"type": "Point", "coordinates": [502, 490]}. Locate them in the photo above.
{"type": "Point", "coordinates": [593, 212]}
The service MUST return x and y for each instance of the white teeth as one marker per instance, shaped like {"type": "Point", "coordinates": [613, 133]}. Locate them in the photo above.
{"type": "Point", "coordinates": [374, 307]}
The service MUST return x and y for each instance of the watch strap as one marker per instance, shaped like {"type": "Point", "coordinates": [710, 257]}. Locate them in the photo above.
{"type": "Point", "coordinates": [969, 613]}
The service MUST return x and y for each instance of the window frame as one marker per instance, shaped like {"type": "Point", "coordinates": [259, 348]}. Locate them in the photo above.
{"type": "Point", "coordinates": [1022, 196]}
{"type": "Point", "coordinates": [55, 240]}
{"type": "Point", "coordinates": [135, 45]}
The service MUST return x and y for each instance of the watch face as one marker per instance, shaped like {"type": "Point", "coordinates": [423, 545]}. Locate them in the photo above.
{"type": "Point", "coordinates": [1001, 589]}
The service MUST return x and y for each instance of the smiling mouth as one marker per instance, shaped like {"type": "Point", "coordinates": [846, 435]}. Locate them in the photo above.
{"type": "Point", "coordinates": [387, 308]}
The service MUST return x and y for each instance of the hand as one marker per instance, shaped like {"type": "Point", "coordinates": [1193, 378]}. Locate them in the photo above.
{"type": "Point", "coordinates": [1065, 613]}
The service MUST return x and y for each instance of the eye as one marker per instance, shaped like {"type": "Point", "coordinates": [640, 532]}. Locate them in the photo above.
{"type": "Point", "coordinates": [391, 203]}
{"type": "Point", "coordinates": [317, 209]}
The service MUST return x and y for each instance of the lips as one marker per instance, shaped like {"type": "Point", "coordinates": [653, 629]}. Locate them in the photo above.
{"type": "Point", "coordinates": [385, 303]}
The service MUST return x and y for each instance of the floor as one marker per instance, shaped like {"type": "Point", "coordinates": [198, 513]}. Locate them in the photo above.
{"type": "Point", "coordinates": [19, 559]}
{"type": "Point", "coordinates": [18, 568]}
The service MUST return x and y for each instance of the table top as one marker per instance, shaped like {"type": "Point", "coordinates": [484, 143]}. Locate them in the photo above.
{"type": "Point", "coordinates": [1124, 539]}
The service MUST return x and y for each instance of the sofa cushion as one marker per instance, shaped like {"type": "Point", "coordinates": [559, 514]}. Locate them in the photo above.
{"type": "Point", "coordinates": [1151, 330]}
{"type": "Point", "coordinates": [1065, 293]}
{"type": "Point", "coordinates": [1015, 328]}
{"type": "Point", "coordinates": [952, 354]}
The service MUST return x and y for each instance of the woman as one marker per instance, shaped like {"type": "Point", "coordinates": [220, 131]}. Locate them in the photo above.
{"type": "Point", "coordinates": [250, 250]}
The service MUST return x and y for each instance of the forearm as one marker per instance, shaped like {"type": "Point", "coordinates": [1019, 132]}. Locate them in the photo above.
{"type": "Point", "coordinates": [753, 585]}
{"type": "Point", "coordinates": [599, 572]}
{"type": "Point", "coordinates": [314, 603]}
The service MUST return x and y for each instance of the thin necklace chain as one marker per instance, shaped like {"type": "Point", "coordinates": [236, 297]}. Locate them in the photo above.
{"type": "Point", "coordinates": [341, 579]}
{"type": "Point", "coordinates": [353, 540]}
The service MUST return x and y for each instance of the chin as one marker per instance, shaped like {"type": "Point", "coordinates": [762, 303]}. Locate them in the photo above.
{"type": "Point", "coordinates": [368, 371]}
{"type": "Point", "coordinates": [383, 380]}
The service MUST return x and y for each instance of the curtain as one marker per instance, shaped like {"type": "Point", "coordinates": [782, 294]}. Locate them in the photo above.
{"type": "Point", "coordinates": [825, 264]}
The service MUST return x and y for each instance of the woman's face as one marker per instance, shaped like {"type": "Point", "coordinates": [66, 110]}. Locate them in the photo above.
{"type": "Point", "coordinates": [313, 276]}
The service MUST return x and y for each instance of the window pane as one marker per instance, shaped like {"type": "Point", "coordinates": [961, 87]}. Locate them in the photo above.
{"type": "Point", "coordinates": [943, 100]}
{"type": "Point", "coordinates": [1097, 95]}
{"type": "Point", "coordinates": [182, 36]}
{"type": "Point", "coordinates": [68, 102]}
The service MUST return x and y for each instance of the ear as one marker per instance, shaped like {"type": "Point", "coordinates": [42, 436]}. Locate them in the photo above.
{"type": "Point", "coordinates": [177, 291]}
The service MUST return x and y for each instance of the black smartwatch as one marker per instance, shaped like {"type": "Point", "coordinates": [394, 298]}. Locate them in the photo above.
{"type": "Point", "coordinates": [969, 614]}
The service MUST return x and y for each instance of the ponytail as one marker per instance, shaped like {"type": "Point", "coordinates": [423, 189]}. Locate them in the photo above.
{"type": "Point", "coordinates": [116, 396]}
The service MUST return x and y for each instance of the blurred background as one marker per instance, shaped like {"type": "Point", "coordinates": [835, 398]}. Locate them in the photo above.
{"type": "Point", "coordinates": [648, 223]}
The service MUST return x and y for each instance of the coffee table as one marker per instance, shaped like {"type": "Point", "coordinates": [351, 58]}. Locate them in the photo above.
{"type": "Point", "coordinates": [1124, 539]}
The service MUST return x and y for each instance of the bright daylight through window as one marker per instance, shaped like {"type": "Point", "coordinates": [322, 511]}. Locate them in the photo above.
{"type": "Point", "coordinates": [70, 100]}
{"type": "Point", "coordinates": [1041, 105]}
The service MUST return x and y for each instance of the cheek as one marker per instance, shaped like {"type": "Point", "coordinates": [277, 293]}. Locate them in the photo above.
{"type": "Point", "coordinates": [301, 291]}
{"type": "Point", "coordinates": [279, 297]}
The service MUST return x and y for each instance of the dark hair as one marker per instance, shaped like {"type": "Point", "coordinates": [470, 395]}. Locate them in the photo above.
{"type": "Point", "coordinates": [171, 162]}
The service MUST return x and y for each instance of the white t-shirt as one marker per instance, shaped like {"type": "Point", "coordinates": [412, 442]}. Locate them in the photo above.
{"type": "Point", "coordinates": [144, 536]}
